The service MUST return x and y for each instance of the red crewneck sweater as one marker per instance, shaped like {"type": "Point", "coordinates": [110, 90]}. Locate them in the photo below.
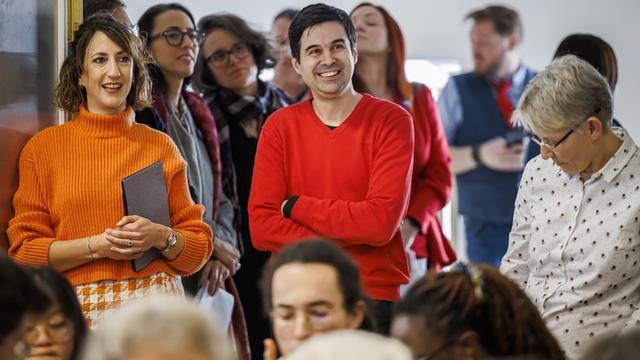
{"type": "Point", "coordinates": [353, 185]}
{"type": "Point", "coordinates": [70, 188]}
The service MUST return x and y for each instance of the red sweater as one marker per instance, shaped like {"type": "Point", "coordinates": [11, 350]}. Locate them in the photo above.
{"type": "Point", "coordinates": [353, 184]}
{"type": "Point", "coordinates": [431, 183]}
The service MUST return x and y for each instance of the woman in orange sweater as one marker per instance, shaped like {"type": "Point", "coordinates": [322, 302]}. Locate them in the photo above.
{"type": "Point", "coordinates": [69, 211]}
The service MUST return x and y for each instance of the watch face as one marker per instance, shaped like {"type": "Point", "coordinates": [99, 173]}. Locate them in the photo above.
{"type": "Point", "coordinates": [171, 241]}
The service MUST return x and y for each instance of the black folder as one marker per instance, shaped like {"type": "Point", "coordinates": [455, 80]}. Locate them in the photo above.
{"type": "Point", "coordinates": [144, 193]}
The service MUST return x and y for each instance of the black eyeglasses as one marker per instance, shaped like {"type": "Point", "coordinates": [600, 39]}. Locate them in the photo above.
{"type": "Point", "coordinates": [220, 58]}
{"type": "Point", "coordinates": [549, 147]}
{"type": "Point", "coordinates": [175, 37]}
{"type": "Point", "coordinates": [536, 139]}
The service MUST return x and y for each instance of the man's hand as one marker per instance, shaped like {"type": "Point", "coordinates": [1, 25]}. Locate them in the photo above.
{"type": "Point", "coordinates": [495, 155]}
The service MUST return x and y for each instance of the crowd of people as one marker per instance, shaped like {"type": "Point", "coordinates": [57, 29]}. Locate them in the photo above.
{"type": "Point", "coordinates": [313, 199]}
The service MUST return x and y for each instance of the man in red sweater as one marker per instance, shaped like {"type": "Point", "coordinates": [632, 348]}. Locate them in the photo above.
{"type": "Point", "coordinates": [337, 165]}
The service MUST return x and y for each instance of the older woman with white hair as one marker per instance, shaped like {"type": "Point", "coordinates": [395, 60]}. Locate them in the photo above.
{"type": "Point", "coordinates": [575, 239]}
{"type": "Point", "coordinates": [351, 345]}
{"type": "Point", "coordinates": [158, 327]}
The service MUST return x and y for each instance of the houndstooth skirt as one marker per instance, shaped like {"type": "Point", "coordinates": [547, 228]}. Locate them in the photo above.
{"type": "Point", "coordinates": [99, 298]}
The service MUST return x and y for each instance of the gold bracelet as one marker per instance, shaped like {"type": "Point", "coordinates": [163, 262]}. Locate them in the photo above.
{"type": "Point", "coordinates": [89, 247]}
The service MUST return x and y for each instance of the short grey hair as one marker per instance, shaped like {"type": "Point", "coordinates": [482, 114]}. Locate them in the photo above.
{"type": "Point", "coordinates": [168, 323]}
{"type": "Point", "coordinates": [350, 345]}
{"type": "Point", "coordinates": [563, 95]}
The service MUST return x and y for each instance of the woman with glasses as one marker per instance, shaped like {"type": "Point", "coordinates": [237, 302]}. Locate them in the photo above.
{"type": "Point", "coordinates": [231, 58]}
{"type": "Point", "coordinates": [60, 332]}
{"type": "Point", "coordinates": [174, 42]}
{"type": "Point", "coordinates": [471, 312]}
{"type": "Point", "coordinates": [575, 236]}
{"type": "Point", "coordinates": [69, 211]}
{"type": "Point", "coordinates": [380, 72]}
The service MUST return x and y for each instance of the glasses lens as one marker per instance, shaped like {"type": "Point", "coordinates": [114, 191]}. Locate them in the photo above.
{"type": "Point", "coordinates": [219, 58]}
{"type": "Point", "coordinates": [194, 35]}
{"type": "Point", "coordinates": [174, 37]}
{"type": "Point", "coordinates": [57, 331]}
{"type": "Point", "coordinates": [240, 50]}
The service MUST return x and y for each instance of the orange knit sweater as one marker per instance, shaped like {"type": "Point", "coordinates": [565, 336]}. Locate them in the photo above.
{"type": "Point", "coordinates": [70, 188]}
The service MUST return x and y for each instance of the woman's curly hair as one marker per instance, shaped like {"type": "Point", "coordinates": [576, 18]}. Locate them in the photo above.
{"type": "Point", "coordinates": [69, 95]}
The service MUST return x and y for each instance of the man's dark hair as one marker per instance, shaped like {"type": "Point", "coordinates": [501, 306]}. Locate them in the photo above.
{"type": "Point", "coordinates": [19, 295]}
{"type": "Point", "coordinates": [288, 13]}
{"type": "Point", "coordinates": [317, 252]}
{"type": "Point", "coordinates": [92, 7]}
{"type": "Point", "coordinates": [505, 20]}
{"type": "Point", "coordinates": [317, 14]}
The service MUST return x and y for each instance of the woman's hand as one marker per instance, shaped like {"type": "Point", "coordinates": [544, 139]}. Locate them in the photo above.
{"type": "Point", "coordinates": [135, 234]}
{"type": "Point", "coordinates": [270, 350]}
{"type": "Point", "coordinates": [103, 247]}
{"type": "Point", "coordinates": [226, 254]}
{"type": "Point", "coordinates": [214, 273]}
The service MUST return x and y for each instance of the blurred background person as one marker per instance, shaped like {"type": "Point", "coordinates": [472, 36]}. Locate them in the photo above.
{"type": "Point", "coordinates": [380, 72]}
{"type": "Point", "coordinates": [174, 42]}
{"type": "Point", "coordinates": [69, 209]}
{"type": "Point", "coordinates": [599, 54]}
{"type": "Point", "coordinates": [284, 75]}
{"type": "Point", "coordinates": [116, 8]}
{"type": "Point", "coordinates": [351, 345]}
{"type": "Point", "coordinates": [312, 287]}
{"type": "Point", "coordinates": [60, 332]}
{"type": "Point", "coordinates": [22, 302]}
{"type": "Point", "coordinates": [573, 246]}
{"type": "Point", "coordinates": [487, 151]}
{"type": "Point", "coordinates": [471, 312]}
{"type": "Point", "coordinates": [227, 69]}
{"type": "Point", "coordinates": [159, 327]}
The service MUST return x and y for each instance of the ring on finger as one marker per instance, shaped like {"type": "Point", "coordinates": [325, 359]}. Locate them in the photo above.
{"type": "Point", "coordinates": [129, 243]}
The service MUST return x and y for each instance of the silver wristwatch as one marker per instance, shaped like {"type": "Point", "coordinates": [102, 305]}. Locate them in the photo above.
{"type": "Point", "coordinates": [171, 242]}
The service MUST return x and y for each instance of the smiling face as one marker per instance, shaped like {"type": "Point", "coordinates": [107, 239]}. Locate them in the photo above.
{"type": "Point", "coordinates": [175, 62]}
{"type": "Point", "coordinates": [239, 73]}
{"type": "Point", "coordinates": [307, 301]}
{"type": "Point", "coordinates": [106, 75]}
{"type": "Point", "coordinates": [326, 61]}
{"type": "Point", "coordinates": [371, 31]}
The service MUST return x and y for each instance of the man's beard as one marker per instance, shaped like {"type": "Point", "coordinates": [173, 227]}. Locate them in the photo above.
{"type": "Point", "coordinates": [491, 72]}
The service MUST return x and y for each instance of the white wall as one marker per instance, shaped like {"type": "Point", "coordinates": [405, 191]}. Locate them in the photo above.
{"type": "Point", "coordinates": [434, 30]}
